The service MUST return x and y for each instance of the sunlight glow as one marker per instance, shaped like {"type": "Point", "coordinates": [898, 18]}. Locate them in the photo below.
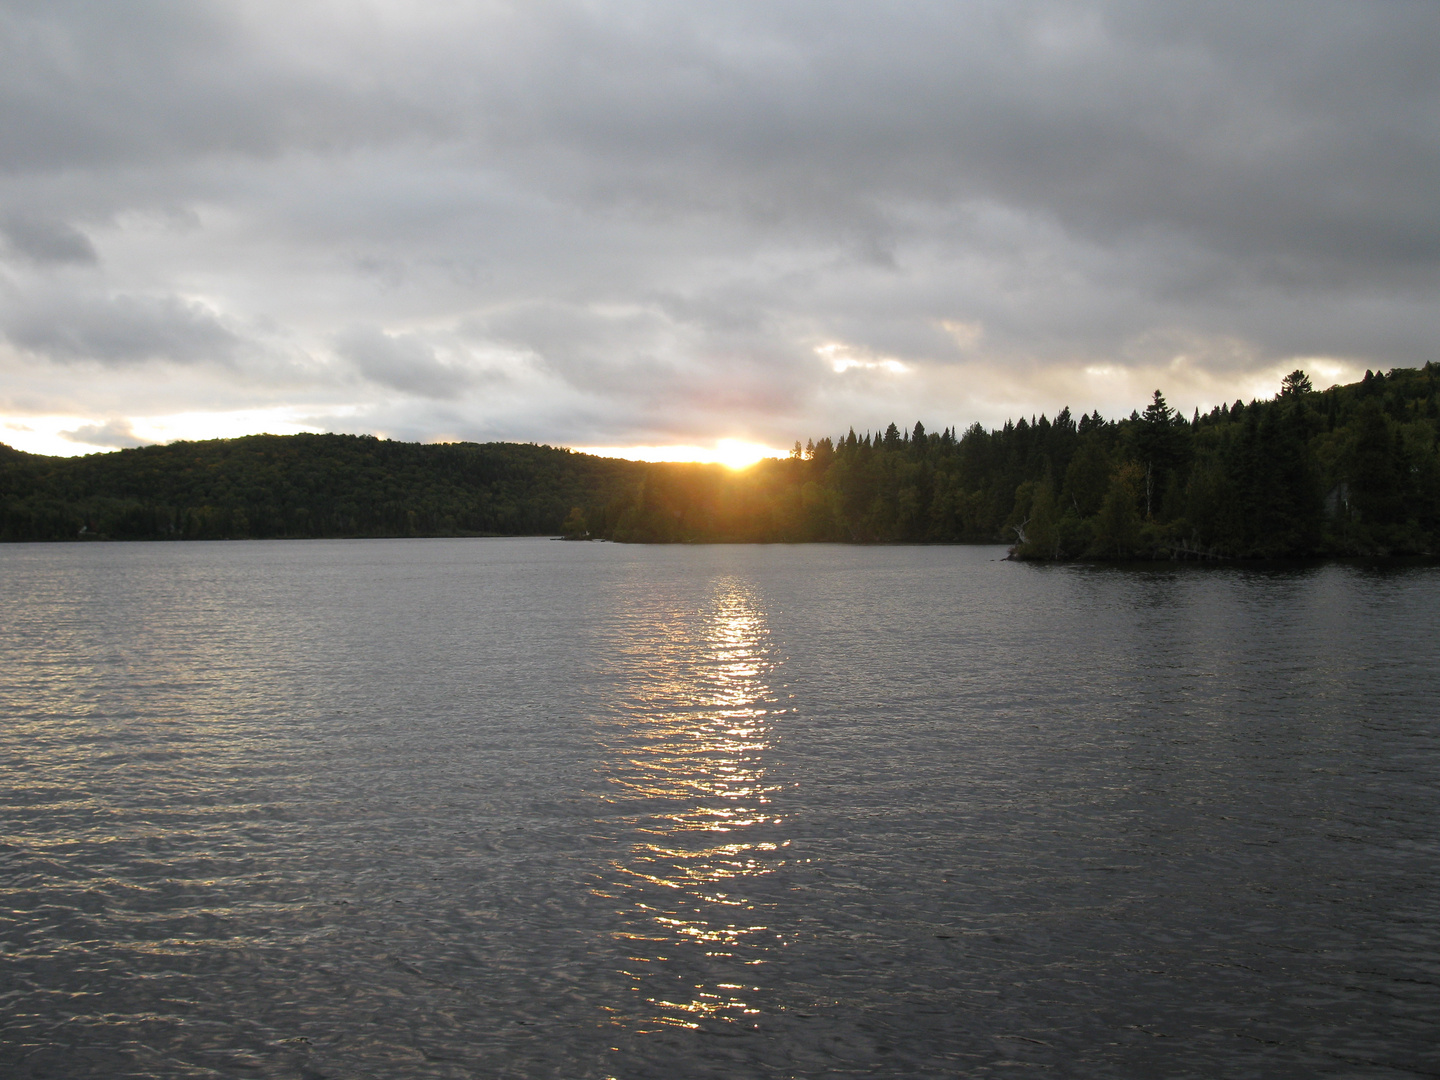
{"type": "Point", "coordinates": [69, 436]}
{"type": "Point", "coordinates": [689, 762]}
{"type": "Point", "coordinates": [732, 453]}
{"type": "Point", "coordinates": [841, 359]}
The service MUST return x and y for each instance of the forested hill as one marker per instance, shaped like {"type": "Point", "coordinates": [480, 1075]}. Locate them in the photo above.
{"type": "Point", "coordinates": [1351, 470]}
{"type": "Point", "coordinates": [266, 486]}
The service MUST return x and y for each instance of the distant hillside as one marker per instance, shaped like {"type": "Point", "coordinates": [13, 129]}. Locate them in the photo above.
{"type": "Point", "coordinates": [1351, 470]}
{"type": "Point", "coordinates": [266, 486]}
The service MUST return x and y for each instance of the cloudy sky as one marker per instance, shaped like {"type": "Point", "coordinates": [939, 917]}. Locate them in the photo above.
{"type": "Point", "coordinates": [628, 223]}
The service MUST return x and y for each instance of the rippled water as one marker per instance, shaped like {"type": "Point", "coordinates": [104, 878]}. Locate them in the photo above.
{"type": "Point", "coordinates": [518, 808]}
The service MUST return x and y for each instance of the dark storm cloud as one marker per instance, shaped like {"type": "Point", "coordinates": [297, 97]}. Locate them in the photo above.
{"type": "Point", "coordinates": [665, 215]}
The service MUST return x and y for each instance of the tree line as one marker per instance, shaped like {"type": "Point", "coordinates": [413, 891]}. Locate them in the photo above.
{"type": "Point", "coordinates": [1351, 470]}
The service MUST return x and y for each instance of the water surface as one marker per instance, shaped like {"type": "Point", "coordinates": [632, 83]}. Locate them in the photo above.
{"type": "Point", "coordinates": [520, 808]}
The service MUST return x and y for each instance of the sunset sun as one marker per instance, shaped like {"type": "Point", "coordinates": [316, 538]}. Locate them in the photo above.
{"type": "Point", "coordinates": [732, 453]}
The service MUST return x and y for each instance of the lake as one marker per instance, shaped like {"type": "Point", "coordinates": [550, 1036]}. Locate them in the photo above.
{"type": "Point", "coordinates": [524, 808]}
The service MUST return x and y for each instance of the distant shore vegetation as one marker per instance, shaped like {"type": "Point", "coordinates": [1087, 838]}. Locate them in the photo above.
{"type": "Point", "coordinates": [1352, 470]}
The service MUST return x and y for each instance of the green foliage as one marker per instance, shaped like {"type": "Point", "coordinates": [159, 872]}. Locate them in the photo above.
{"type": "Point", "coordinates": [265, 486]}
{"type": "Point", "coordinates": [1116, 529]}
{"type": "Point", "coordinates": [575, 527]}
{"type": "Point", "coordinates": [1296, 384]}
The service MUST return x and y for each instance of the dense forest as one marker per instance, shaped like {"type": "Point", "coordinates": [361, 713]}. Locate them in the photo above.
{"type": "Point", "coordinates": [275, 486]}
{"type": "Point", "coordinates": [1350, 470]}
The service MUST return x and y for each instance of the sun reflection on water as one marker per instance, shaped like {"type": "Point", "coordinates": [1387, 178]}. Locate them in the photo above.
{"type": "Point", "coordinates": [688, 774]}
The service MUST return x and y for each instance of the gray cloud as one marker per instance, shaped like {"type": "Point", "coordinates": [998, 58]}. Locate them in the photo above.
{"type": "Point", "coordinates": [121, 330]}
{"type": "Point", "coordinates": [94, 86]}
{"type": "Point", "coordinates": [112, 433]}
{"type": "Point", "coordinates": [653, 218]}
{"type": "Point", "coordinates": [45, 241]}
{"type": "Point", "coordinates": [404, 362]}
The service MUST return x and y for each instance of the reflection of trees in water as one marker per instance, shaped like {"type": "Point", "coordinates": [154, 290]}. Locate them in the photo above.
{"type": "Point", "coordinates": [687, 772]}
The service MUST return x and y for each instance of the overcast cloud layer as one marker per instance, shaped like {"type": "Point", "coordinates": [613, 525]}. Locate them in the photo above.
{"type": "Point", "coordinates": [631, 223]}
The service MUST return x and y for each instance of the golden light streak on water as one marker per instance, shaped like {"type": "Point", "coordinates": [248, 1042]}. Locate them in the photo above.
{"type": "Point", "coordinates": [692, 761]}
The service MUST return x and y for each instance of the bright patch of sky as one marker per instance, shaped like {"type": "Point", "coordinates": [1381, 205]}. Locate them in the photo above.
{"type": "Point", "coordinates": [732, 453]}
